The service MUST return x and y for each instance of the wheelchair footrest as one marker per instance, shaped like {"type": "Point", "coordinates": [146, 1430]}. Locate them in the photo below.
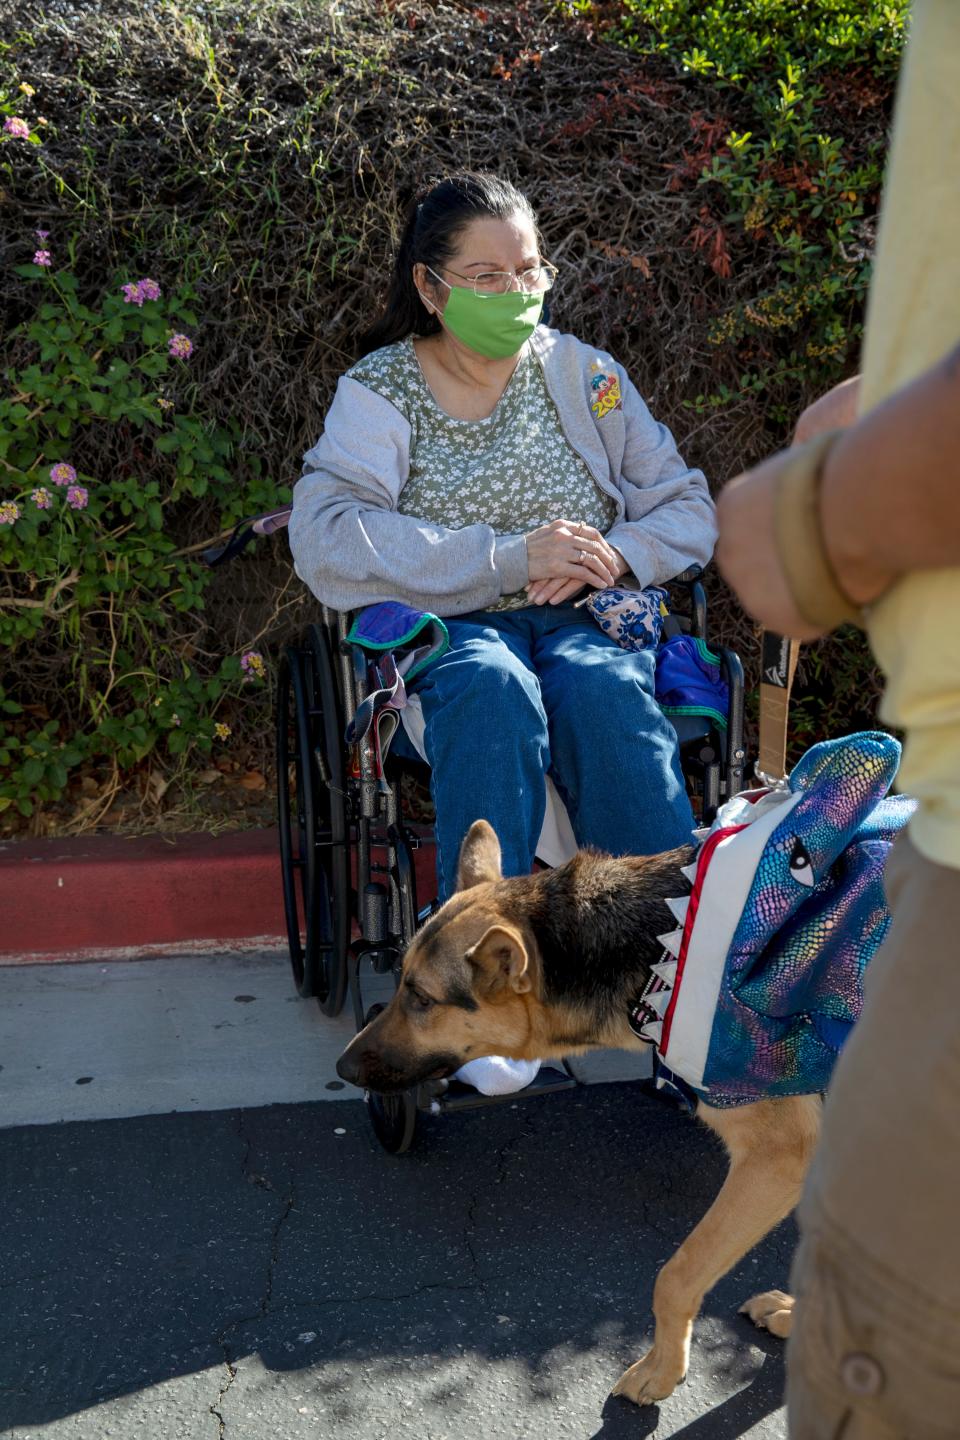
{"type": "Point", "coordinates": [465, 1097]}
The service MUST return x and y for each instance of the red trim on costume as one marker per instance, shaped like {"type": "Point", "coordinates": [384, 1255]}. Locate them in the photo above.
{"type": "Point", "coordinates": [703, 862]}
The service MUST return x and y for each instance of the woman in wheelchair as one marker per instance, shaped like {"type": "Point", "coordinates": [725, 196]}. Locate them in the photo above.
{"type": "Point", "coordinates": [477, 464]}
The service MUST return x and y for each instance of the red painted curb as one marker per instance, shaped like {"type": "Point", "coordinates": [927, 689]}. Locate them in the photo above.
{"type": "Point", "coordinates": [80, 898]}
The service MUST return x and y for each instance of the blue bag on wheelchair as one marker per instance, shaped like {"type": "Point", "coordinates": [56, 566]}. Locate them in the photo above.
{"type": "Point", "coordinates": [690, 681]}
{"type": "Point", "coordinates": [399, 642]}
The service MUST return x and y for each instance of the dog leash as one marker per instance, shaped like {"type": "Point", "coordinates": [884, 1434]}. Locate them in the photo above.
{"type": "Point", "coordinates": [778, 667]}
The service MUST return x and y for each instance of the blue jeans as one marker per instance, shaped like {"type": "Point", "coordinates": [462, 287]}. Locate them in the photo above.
{"type": "Point", "coordinates": [523, 693]}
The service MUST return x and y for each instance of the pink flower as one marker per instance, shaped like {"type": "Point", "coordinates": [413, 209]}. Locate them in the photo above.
{"type": "Point", "coordinates": [16, 127]}
{"type": "Point", "coordinates": [180, 347]}
{"type": "Point", "coordinates": [252, 665]}
{"type": "Point", "coordinates": [9, 512]}
{"type": "Point", "coordinates": [62, 473]}
{"type": "Point", "coordinates": [77, 497]}
{"type": "Point", "coordinates": [137, 291]}
{"type": "Point", "coordinates": [42, 257]}
{"type": "Point", "coordinates": [41, 497]}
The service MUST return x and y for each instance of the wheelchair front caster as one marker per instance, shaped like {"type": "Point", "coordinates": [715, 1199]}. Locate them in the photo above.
{"type": "Point", "coordinates": [393, 1117]}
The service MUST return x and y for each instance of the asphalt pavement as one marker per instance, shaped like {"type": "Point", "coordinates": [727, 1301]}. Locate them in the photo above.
{"type": "Point", "coordinates": [267, 1270]}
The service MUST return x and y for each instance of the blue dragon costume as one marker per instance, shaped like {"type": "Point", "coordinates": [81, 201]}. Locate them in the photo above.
{"type": "Point", "coordinates": [761, 980]}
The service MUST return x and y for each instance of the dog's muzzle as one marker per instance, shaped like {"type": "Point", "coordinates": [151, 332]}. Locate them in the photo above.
{"type": "Point", "coordinates": [388, 1074]}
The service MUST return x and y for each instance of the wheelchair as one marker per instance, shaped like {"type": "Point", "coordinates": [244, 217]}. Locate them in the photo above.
{"type": "Point", "coordinates": [348, 850]}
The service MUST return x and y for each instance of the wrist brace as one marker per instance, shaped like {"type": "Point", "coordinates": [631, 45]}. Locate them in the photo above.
{"type": "Point", "coordinates": [813, 582]}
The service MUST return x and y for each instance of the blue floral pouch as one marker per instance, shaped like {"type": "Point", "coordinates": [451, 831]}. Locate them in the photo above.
{"type": "Point", "coordinates": [633, 618]}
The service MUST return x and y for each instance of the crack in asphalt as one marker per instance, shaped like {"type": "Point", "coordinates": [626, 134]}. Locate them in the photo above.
{"type": "Point", "coordinates": [216, 1410]}
{"type": "Point", "coordinates": [248, 1144]}
{"type": "Point", "coordinates": [288, 1202]}
{"type": "Point", "coordinates": [524, 1132]}
{"type": "Point", "coordinates": [289, 1205]}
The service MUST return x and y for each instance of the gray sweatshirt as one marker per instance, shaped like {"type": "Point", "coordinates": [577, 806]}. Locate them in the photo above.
{"type": "Point", "coordinates": [353, 548]}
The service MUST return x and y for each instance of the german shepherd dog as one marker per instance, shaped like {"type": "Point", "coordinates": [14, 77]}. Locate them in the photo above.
{"type": "Point", "coordinates": [546, 965]}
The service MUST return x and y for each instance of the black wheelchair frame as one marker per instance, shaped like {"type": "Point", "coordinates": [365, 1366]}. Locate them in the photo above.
{"type": "Point", "coordinates": [347, 850]}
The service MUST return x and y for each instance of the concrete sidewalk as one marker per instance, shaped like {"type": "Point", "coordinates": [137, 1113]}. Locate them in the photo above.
{"type": "Point", "coordinates": [188, 1032]}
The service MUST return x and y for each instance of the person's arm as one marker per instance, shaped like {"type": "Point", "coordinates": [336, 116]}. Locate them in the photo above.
{"type": "Point", "coordinates": [833, 411]}
{"type": "Point", "coordinates": [352, 547]}
{"type": "Point", "coordinates": [891, 486]}
{"type": "Point", "coordinates": [669, 521]}
{"type": "Point", "coordinates": [889, 503]}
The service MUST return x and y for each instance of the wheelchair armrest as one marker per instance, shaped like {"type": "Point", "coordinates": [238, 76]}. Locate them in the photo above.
{"type": "Point", "coordinates": [688, 576]}
{"type": "Point", "coordinates": [690, 579]}
{"type": "Point", "coordinates": [247, 531]}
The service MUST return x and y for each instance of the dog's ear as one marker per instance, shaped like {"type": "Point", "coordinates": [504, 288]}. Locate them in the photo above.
{"type": "Point", "coordinates": [479, 856]}
{"type": "Point", "coordinates": [500, 958]}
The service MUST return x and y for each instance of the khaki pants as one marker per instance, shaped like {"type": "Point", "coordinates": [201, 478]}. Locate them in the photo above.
{"type": "Point", "coordinates": [875, 1352]}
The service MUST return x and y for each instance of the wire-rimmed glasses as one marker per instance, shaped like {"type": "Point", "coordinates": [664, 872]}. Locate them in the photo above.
{"type": "Point", "coordinates": [532, 281]}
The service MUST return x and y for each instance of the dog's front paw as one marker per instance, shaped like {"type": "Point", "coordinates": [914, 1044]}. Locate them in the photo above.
{"type": "Point", "coordinates": [650, 1379]}
{"type": "Point", "coordinates": [773, 1311]}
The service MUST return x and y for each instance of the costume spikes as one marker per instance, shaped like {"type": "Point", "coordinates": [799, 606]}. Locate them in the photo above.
{"type": "Point", "coordinates": [678, 908]}
{"type": "Point", "coordinates": [653, 1032]}
{"type": "Point", "coordinates": [659, 1001]}
{"type": "Point", "coordinates": [671, 942]}
{"type": "Point", "coordinates": [689, 872]}
{"type": "Point", "coordinates": [665, 970]}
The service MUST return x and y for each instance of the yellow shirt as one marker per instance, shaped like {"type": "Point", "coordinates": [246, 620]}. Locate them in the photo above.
{"type": "Point", "coordinates": [913, 320]}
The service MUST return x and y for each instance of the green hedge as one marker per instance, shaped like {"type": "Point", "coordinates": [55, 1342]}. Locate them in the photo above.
{"type": "Point", "coordinates": [707, 179]}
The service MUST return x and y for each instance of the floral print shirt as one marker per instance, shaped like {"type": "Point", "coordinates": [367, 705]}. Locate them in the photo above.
{"type": "Point", "coordinates": [513, 471]}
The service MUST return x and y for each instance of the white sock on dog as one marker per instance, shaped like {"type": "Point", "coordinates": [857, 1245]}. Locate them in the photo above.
{"type": "Point", "coordinates": [495, 1075]}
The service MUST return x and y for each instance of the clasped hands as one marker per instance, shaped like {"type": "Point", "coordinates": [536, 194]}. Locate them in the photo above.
{"type": "Point", "coordinates": [564, 556]}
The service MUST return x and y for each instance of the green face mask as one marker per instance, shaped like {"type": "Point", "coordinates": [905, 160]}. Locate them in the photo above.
{"type": "Point", "coordinates": [493, 325]}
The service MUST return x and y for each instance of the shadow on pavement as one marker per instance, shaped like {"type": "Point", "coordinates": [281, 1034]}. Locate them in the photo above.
{"type": "Point", "coordinates": [258, 1272]}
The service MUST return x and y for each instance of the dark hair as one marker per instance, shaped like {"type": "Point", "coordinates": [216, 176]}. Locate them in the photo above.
{"type": "Point", "coordinates": [432, 223]}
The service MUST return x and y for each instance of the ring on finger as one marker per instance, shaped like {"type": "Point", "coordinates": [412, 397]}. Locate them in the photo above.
{"type": "Point", "coordinates": [582, 555]}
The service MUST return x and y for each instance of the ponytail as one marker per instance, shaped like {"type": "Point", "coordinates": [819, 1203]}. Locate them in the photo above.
{"type": "Point", "coordinates": [404, 313]}
{"type": "Point", "coordinates": [432, 224]}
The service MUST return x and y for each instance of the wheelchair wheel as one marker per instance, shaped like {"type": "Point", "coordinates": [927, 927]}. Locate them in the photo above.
{"type": "Point", "coordinates": [393, 1117]}
{"type": "Point", "coordinates": [313, 825]}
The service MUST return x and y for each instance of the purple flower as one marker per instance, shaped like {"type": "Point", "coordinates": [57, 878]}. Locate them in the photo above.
{"type": "Point", "coordinates": [42, 234]}
{"type": "Point", "coordinates": [180, 347]}
{"type": "Point", "coordinates": [16, 127]}
{"type": "Point", "coordinates": [62, 473]}
{"type": "Point", "coordinates": [137, 291]}
{"type": "Point", "coordinates": [9, 512]}
{"type": "Point", "coordinates": [77, 497]}
{"type": "Point", "coordinates": [42, 257]}
{"type": "Point", "coordinates": [41, 497]}
{"type": "Point", "coordinates": [252, 665]}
